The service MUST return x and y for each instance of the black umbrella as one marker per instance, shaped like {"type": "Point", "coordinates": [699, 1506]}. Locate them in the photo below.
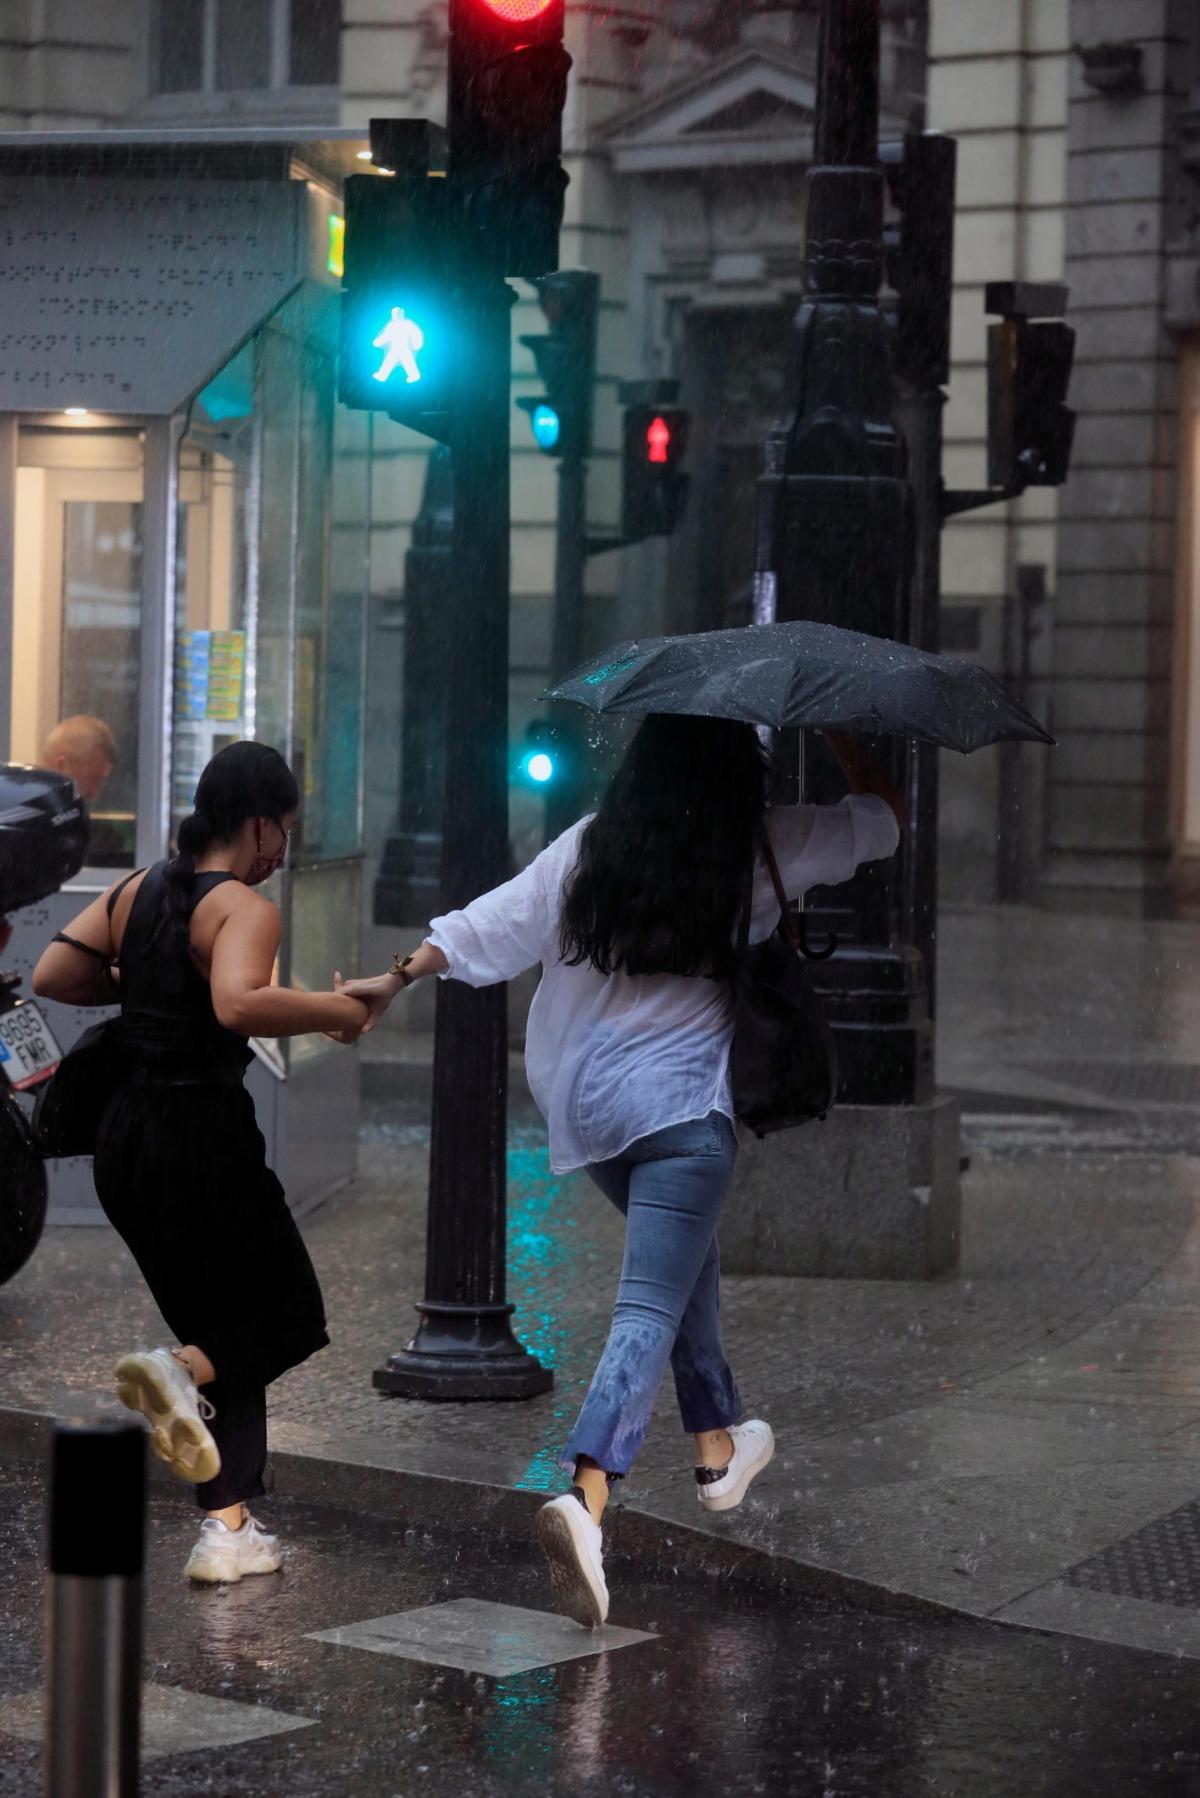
{"type": "Point", "coordinates": [808, 676]}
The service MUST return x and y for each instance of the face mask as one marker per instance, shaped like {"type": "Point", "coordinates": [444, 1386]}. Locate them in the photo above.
{"type": "Point", "coordinates": [266, 865]}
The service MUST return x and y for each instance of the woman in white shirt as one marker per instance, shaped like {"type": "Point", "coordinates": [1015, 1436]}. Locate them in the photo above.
{"type": "Point", "coordinates": [633, 915]}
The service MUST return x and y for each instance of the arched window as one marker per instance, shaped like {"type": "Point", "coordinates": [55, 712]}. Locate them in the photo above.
{"type": "Point", "coordinates": [240, 46]}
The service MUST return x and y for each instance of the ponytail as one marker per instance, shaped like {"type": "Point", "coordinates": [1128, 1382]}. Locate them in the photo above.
{"type": "Point", "coordinates": [194, 836]}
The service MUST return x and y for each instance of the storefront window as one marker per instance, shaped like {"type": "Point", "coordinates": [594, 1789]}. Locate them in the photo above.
{"type": "Point", "coordinates": [78, 618]}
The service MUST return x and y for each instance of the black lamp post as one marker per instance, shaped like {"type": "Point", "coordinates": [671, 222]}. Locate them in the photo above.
{"type": "Point", "coordinates": [838, 531]}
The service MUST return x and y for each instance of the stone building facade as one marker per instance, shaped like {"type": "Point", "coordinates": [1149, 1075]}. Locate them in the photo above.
{"type": "Point", "coordinates": [1077, 128]}
{"type": "Point", "coordinates": [688, 129]}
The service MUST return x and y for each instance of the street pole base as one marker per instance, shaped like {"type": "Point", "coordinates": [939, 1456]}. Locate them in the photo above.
{"type": "Point", "coordinates": [463, 1352]}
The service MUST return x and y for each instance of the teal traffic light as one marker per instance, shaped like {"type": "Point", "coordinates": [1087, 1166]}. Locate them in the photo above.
{"type": "Point", "coordinates": [403, 349]}
{"type": "Point", "coordinates": [540, 761]}
{"type": "Point", "coordinates": [546, 426]}
{"type": "Point", "coordinates": [565, 357]}
{"type": "Point", "coordinates": [539, 767]}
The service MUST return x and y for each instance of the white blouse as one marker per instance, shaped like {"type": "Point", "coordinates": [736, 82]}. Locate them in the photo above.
{"type": "Point", "coordinates": [615, 1057]}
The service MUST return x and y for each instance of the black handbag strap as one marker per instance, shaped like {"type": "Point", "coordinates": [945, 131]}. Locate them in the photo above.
{"type": "Point", "coordinates": [73, 942]}
{"type": "Point", "coordinates": [111, 904]}
{"type": "Point", "coordinates": [786, 916]}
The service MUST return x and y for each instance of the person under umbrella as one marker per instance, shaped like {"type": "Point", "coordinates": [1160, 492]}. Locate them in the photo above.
{"type": "Point", "coordinates": [633, 914]}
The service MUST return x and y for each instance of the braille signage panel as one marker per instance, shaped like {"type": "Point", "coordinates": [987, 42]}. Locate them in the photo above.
{"type": "Point", "coordinates": [126, 295]}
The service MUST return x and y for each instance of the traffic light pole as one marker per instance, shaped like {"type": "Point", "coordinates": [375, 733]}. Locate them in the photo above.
{"type": "Point", "coordinates": [464, 1347]}
{"type": "Point", "coordinates": [408, 890]}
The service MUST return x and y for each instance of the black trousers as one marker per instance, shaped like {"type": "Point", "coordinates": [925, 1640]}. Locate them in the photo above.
{"type": "Point", "coordinates": [181, 1173]}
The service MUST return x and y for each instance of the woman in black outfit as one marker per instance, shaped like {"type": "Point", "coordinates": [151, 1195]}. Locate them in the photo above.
{"type": "Point", "coordinates": [180, 1165]}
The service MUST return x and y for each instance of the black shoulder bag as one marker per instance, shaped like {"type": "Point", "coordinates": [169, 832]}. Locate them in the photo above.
{"type": "Point", "coordinates": [70, 1105]}
{"type": "Point", "coordinates": [783, 1067]}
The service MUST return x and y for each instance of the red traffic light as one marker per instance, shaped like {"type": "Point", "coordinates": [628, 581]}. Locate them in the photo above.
{"type": "Point", "coordinates": [517, 12]}
{"type": "Point", "coordinates": [654, 487]}
{"type": "Point", "coordinates": [658, 439]}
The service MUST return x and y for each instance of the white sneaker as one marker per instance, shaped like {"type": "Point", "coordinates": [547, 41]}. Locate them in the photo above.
{"type": "Point", "coordinates": [163, 1390]}
{"type": "Point", "coordinates": [574, 1548]}
{"type": "Point", "coordinates": [722, 1488]}
{"type": "Point", "coordinates": [222, 1556]}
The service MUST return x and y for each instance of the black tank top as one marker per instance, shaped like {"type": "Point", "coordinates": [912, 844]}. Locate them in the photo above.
{"type": "Point", "coordinates": [168, 1025]}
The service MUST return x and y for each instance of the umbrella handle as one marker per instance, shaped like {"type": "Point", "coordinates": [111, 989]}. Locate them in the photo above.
{"type": "Point", "coordinates": [813, 954]}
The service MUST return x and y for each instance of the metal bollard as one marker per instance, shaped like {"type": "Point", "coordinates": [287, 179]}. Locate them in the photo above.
{"type": "Point", "coordinates": [93, 1665]}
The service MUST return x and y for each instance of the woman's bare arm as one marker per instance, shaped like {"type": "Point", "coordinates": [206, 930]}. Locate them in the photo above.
{"type": "Point", "coordinates": [241, 962]}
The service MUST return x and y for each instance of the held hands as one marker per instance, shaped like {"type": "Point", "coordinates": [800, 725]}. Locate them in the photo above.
{"type": "Point", "coordinates": [374, 992]}
{"type": "Point", "coordinates": [350, 1033]}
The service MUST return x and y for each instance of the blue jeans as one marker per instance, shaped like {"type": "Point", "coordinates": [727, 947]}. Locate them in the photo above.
{"type": "Point", "coordinates": [670, 1187]}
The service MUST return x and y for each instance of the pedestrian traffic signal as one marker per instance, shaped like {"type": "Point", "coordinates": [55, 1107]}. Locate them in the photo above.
{"type": "Point", "coordinates": [566, 361]}
{"type": "Point", "coordinates": [1030, 426]}
{"type": "Point", "coordinates": [654, 486]}
{"type": "Point", "coordinates": [919, 250]}
{"type": "Point", "coordinates": [658, 439]}
{"type": "Point", "coordinates": [508, 86]}
{"type": "Point", "coordinates": [402, 347]}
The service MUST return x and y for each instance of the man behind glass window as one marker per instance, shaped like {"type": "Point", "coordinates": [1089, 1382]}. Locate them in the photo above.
{"type": "Point", "coordinates": [83, 748]}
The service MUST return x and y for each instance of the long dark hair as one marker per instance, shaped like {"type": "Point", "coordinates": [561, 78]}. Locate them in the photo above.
{"type": "Point", "coordinates": [243, 780]}
{"type": "Point", "coordinates": [661, 876]}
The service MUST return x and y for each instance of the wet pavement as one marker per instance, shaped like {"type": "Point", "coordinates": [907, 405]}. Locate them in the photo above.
{"type": "Point", "coordinates": [723, 1691]}
{"type": "Point", "coordinates": [1019, 1441]}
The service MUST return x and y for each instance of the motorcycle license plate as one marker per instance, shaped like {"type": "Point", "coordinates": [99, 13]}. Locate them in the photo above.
{"type": "Point", "coordinates": [28, 1051]}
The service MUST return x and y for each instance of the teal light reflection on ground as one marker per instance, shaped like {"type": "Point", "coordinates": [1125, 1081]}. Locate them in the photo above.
{"type": "Point", "coordinates": [523, 1722]}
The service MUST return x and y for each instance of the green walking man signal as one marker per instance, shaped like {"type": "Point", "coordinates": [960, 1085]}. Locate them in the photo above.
{"type": "Point", "coordinates": [401, 339]}
{"type": "Point", "coordinates": [404, 341]}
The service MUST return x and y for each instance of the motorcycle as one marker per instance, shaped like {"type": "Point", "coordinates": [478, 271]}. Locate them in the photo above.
{"type": "Point", "coordinates": [43, 839]}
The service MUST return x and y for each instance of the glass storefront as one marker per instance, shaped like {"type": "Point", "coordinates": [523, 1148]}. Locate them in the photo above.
{"type": "Point", "coordinates": [191, 569]}
{"type": "Point", "coordinates": [77, 608]}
